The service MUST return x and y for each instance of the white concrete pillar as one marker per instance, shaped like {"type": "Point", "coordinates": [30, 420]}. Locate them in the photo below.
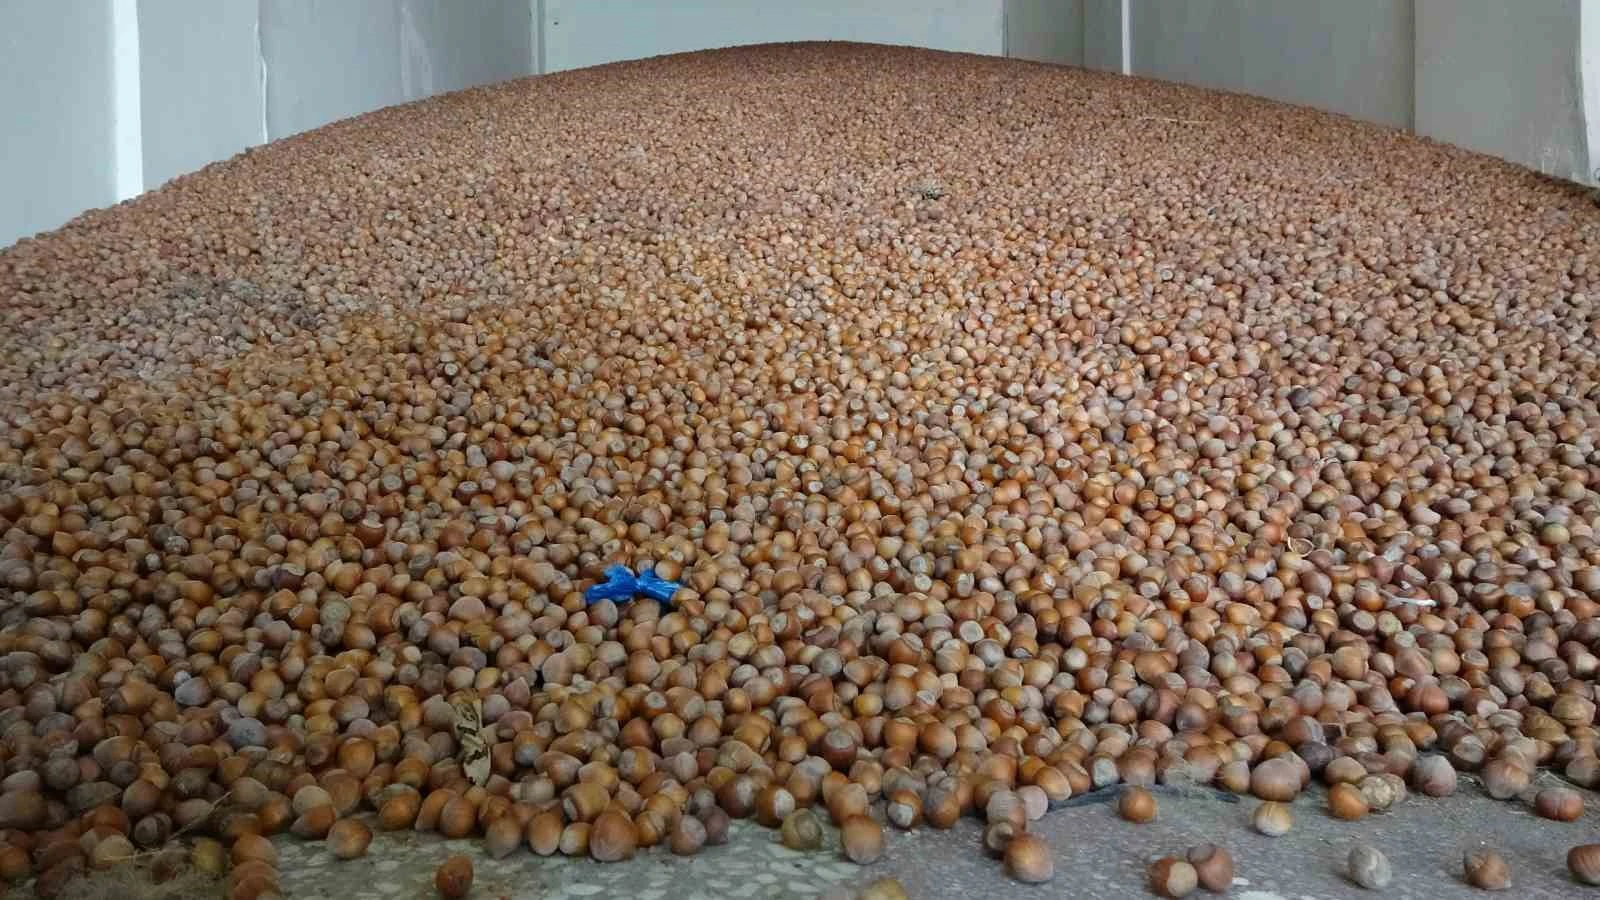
{"type": "Point", "coordinates": [1589, 67]}
{"type": "Point", "coordinates": [127, 149]}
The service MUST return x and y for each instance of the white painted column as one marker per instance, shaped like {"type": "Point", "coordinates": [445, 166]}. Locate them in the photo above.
{"type": "Point", "coordinates": [261, 68]}
{"type": "Point", "coordinates": [1589, 73]}
{"type": "Point", "coordinates": [127, 135]}
{"type": "Point", "coordinates": [1127, 37]}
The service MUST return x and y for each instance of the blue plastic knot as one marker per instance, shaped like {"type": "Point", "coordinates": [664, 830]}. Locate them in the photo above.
{"type": "Point", "coordinates": [621, 585]}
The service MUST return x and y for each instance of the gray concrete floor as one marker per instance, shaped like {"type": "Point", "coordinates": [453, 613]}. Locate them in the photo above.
{"type": "Point", "coordinates": [1097, 856]}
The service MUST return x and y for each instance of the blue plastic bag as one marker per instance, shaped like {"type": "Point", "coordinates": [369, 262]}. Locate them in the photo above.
{"type": "Point", "coordinates": [622, 585]}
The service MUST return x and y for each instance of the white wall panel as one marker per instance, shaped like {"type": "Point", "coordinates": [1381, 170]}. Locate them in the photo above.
{"type": "Point", "coordinates": [1505, 79]}
{"type": "Point", "coordinates": [331, 59]}
{"type": "Point", "coordinates": [200, 83]}
{"type": "Point", "coordinates": [1045, 31]}
{"type": "Point", "coordinates": [101, 97]}
{"type": "Point", "coordinates": [57, 155]}
{"type": "Point", "coordinates": [453, 44]}
{"type": "Point", "coordinates": [582, 33]}
{"type": "Point", "coordinates": [1350, 56]}
{"type": "Point", "coordinates": [1104, 34]}
{"type": "Point", "coordinates": [328, 60]}
{"type": "Point", "coordinates": [1589, 64]}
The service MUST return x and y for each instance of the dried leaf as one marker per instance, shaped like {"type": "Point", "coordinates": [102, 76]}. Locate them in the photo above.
{"type": "Point", "coordinates": [474, 752]}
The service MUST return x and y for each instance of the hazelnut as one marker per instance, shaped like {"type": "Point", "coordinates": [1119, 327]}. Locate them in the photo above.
{"type": "Point", "coordinates": [1173, 877]}
{"type": "Point", "coordinates": [1028, 859]}
{"type": "Point", "coordinates": [453, 878]}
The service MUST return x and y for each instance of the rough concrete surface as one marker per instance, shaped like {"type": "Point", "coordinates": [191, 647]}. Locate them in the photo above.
{"type": "Point", "coordinates": [1097, 856]}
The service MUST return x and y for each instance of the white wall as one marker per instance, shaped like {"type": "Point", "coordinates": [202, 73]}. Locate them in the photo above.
{"type": "Point", "coordinates": [1506, 79]}
{"type": "Point", "coordinates": [56, 152]}
{"type": "Point", "coordinates": [1348, 56]}
{"type": "Point", "coordinates": [451, 51]}
{"type": "Point", "coordinates": [331, 59]}
{"type": "Point", "coordinates": [101, 97]}
{"type": "Point", "coordinates": [1105, 35]}
{"type": "Point", "coordinates": [189, 121]}
{"type": "Point", "coordinates": [1520, 81]}
{"type": "Point", "coordinates": [580, 33]}
{"type": "Point", "coordinates": [1045, 31]}
{"type": "Point", "coordinates": [1589, 44]}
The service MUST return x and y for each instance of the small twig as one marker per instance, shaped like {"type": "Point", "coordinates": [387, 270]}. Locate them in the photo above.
{"type": "Point", "coordinates": [1168, 119]}
{"type": "Point", "coordinates": [215, 805]}
{"type": "Point", "coordinates": [166, 845]}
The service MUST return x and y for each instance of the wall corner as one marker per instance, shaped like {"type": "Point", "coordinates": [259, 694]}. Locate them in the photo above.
{"type": "Point", "coordinates": [1589, 84]}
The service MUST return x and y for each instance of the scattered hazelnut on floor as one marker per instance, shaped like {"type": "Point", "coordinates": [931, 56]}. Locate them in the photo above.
{"type": "Point", "coordinates": [997, 836]}
{"type": "Point", "coordinates": [773, 804]}
{"type": "Point", "coordinates": [253, 879]}
{"type": "Point", "coordinates": [1583, 861]}
{"type": "Point", "coordinates": [208, 856]}
{"type": "Point", "coordinates": [1486, 870]}
{"type": "Point", "coordinates": [1433, 776]}
{"type": "Point", "coordinates": [453, 878]}
{"type": "Point", "coordinates": [1173, 877]}
{"type": "Point", "coordinates": [1007, 806]}
{"type": "Point", "coordinates": [349, 839]}
{"type": "Point", "coordinates": [575, 839]}
{"type": "Point", "coordinates": [1028, 858]}
{"type": "Point", "coordinates": [1380, 792]}
{"type": "Point", "coordinates": [314, 823]}
{"type": "Point", "coordinates": [904, 809]}
{"type": "Point", "coordinates": [1275, 779]}
{"type": "Point", "coordinates": [883, 889]}
{"type": "Point", "coordinates": [1137, 805]}
{"type": "Point", "coordinates": [1346, 802]}
{"type": "Point", "coordinates": [612, 837]}
{"type": "Point", "coordinates": [253, 846]}
{"type": "Point", "coordinates": [1213, 866]}
{"type": "Point", "coordinates": [1369, 868]}
{"type": "Point", "coordinates": [1504, 779]}
{"type": "Point", "coordinates": [688, 836]}
{"type": "Point", "coordinates": [1035, 801]}
{"type": "Point", "coordinates": [941, 808]}
{"type": "Point", "coordinates": [1559, 804]}
{"type": "Point", "coordinates": [543, 832]}
{"type": "Point", "coordinates": [801, 830]}
{"type": "Point", "coordinates": [862, 839]}
{"type": "Point", "coordinates": [1272, 819]}
{"type": "Point", "coordinates": [716, 824]}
